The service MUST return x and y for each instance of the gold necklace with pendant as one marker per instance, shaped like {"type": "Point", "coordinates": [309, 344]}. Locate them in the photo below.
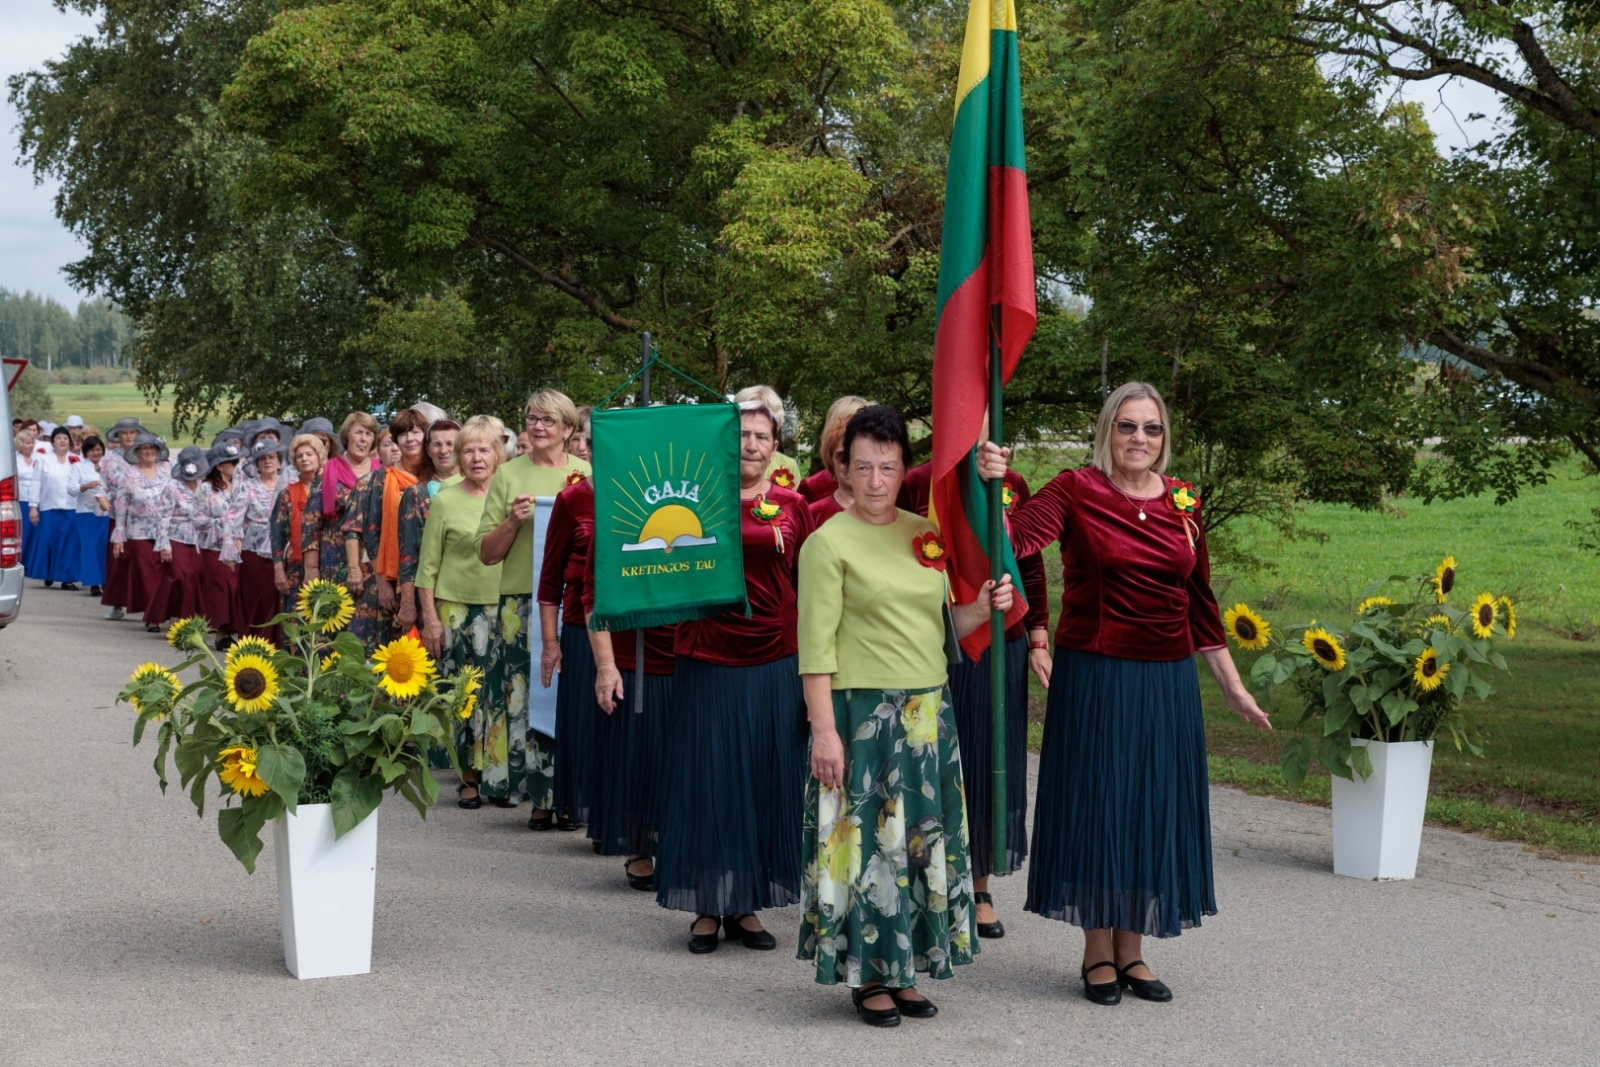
{"type": "Point", "coordinates": [1136, 506]}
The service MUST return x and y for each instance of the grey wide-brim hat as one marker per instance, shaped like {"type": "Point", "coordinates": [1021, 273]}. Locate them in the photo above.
{"type": "Point", "coordinates": [191, 464]}
{"type": "Point", "coordinates": [323, 426]}
{"type": "Point", "coordinates": [131, 453]}
{"type": "Point", "coordinates": [127, 422]}
{"type": "Point", "coordinates": [268, 425]}
{"type": "Point", "coordinates": [230, 442]}
{"type": "Point", "coordinates": [223, 454]}
{"type": "Point", "coordinates": [267, 448]}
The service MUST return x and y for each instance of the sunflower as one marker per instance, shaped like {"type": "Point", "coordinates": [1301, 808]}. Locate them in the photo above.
{"type": "Point", "coordinates": [188, 634]}
{"type": "Point", "coordinates": [1511, 616]}
{"type": "Point", "coordinates": [402, 667]}
{"type": "Point", "coordinates": [251, 682]}
{"type": "Point", "coordinates": [1483, 615]}
{"type": "Point", "coordinates": [1444, 579]}
{"type": "Point", "coordinates": [325, 605]}
{"type": "Point", "coordinates": [1250, 631]}
{"type": "Point", "coordinates": [1437, 622]}
{"type": "Point", "coordinates": [1373, 602]}
{"type": "Point", "coordinates": [147, 673]}
{"type": "Point", "coordinates": [238, 771]}
{"type": "Point", "coordinates": [329, 662]}
{"type": "Point", "coordinates": [1429, 673]}
{"type": "Point", "coordinates": [250, 644]}
{"type": "Point", "coordinates": [468, 682]}
{"type": "Point", "coordinates": [1323, 645]}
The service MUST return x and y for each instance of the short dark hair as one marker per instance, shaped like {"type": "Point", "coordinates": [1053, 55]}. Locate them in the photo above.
{"type": "Point", "coordinates": [91, 443]}
{"type": "Point", "coordinates": [61, 431]}
{"type": "Point", "coordinates": [881, 423]}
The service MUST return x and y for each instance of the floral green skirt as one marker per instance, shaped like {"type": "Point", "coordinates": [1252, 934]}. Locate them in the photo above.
{"type": "Point", "coordinates": [468, 642]}
{"type": "Point", "coordinates": [887, 890]}
{"type": "Point", "coordinates": [521, 762]}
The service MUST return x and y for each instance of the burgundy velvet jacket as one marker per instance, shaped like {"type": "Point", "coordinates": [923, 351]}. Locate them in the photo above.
{"type": "Point", "coordinates": [771, 577]}
{"type": "Point", "coordinates": [1133, 589]}
{"type": "Point", "coordinates": [566, 551]}
{"type": "Point", "coordinates": [658, 656]}
{"type": "Point", "coordinates": [824, 509]}
{"type": "Point", "coordinates": [817, 486]}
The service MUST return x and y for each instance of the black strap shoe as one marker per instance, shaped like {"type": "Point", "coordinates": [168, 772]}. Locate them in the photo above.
{"type": "Point", "coordinates": [541, 823]}
{"type": "Point", "coordinates": [471, 803]}
{"type": "Point", "coordinates": [1143, 988]}
{"type": "Point", "coordinates": [700, 944]}
{"type": "Point", "coordinates": [990, 930]}
{"type": "Point", "coordinates": [875, 1016]}
{"type": "Point", "coordinates": [1102, 992]}
{"type": "Point", "coordinates": [914, 1009]}
{"type": "Point", "coordinates": [565, 824]}
{"type": "Point", "coordinates": [733, 926]}
{"type": "Point", "coordinates": [644, 882]}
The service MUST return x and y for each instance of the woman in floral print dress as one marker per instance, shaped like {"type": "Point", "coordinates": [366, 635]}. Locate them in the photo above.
{"type": "Point", "coordinates": [887, 890]}
{"type": "Point", "coordinates": [379, 526]}
{"type": "Point", "coordinates": [137, 517]}
{"type": "Point", "coordinates": [289, 514]}
{"type": "Point", "coordinates": [177, 542]}
{"type": "Point", "coordinates": [247, 539]}
{"type": "Point", "coordinates": [333, 500]}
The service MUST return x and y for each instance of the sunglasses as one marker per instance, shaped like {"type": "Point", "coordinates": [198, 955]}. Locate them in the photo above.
{"type": "Point", "coordinates": [1151, 429]}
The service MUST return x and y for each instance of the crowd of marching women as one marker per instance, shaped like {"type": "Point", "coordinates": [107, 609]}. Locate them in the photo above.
{"type": "Point", "coordinates": [824, 749]}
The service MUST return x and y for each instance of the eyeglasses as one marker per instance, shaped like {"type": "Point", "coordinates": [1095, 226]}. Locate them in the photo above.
{"type": "Point", "coordinates": [1151, 429]}
{"type": "Point", "coordinates": [548, 422]}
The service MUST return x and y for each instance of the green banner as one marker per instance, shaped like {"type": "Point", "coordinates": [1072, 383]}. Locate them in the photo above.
{"type": "Point", "coordinates": [666, 505]}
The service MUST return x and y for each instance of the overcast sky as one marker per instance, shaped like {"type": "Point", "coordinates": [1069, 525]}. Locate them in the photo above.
{"type": "Point", "coordinates": [34, 246]}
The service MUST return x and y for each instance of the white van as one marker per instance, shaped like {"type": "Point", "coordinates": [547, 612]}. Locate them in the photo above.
{"type": "Point", "coordinates": [10, 521]}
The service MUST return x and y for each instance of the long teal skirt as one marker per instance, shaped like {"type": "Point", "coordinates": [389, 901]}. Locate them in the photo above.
{"type": "Point", "coordinates": [468, 642]}
{"type": "Point", "coordinates": [1122, 818]}
{"type": "Point", "coordinates": [887, 891]}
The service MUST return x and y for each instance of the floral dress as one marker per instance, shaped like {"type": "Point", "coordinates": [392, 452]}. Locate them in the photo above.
{"type": "Point", "coordinates": [180, 514]}
{"type": "Point", "coordinates": [279, 531]}
{"type": "Point", "coordinates": [211, 516]}
{"type": "Point", "coordinates": [249, 520]}
{"type": "Point", "coordinates": [138, 506]}
{"type": "Point", "coordinates": [325, 533]}
{"type": "Point", "coordinates": [360, 522]}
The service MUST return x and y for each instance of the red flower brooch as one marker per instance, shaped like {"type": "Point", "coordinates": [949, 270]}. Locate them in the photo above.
{"type": "Point", "coordinates": [931, 551]}
{"type": "Point", "coordinates": [783, 478]}
{"type": "Point", "coordinates": [575, 477]}
{"type": "Point", "coordinates": [1008, 497]}
{"type": "Point", "coordinates": [72, 459]}
{"type": "Point", "coordinates": [764, 510]}
{"type": "Point", "coordinates": [1183, 496]}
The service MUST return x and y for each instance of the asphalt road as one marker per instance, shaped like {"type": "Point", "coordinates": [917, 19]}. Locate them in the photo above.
{"type": "Point", "coordinates": [129, 935]}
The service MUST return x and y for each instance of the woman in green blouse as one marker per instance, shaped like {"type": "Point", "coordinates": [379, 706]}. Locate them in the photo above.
{"type": "Point", "coordinates": [887, 889]}
{"type": "Point", "coordinates": [459, 593]}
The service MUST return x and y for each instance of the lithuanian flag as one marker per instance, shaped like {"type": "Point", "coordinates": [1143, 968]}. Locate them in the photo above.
{"type": "Point", "coordinates": [985, 285]}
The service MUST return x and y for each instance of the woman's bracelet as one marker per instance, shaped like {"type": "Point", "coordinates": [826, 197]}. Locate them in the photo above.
{"type": "Point", "coordinates": [1042, 646]}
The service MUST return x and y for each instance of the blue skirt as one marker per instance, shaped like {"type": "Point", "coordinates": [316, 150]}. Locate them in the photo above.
{"type": "Point", "coordinates": [733, 790]}
{"type": "Point", "coordinates": [969, 694]}
{"type": "Point", "coordinates": [54, 548]}
{"type": "Point", "coordinates": [630, 749]}
{"type": "Point", "coordinates": [1122, 823]}
{"type": "Point", "coordinates": [576, 712]}
{"type": "Point", "coordinates": [94, 536]}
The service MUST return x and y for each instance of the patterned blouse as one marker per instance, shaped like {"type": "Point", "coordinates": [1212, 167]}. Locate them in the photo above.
{"type": "Point", "coordinates": [414, 504]}
{"type": "Point", "coordinates": [249, 519]}
{"type": "Point", "coordinates": [179, 514]}
{"type": "Point", "coordinates": [326, 534]}
{"type": "Point", "coordinates": [359, 521]}
{"type": "Point", "coordinates": [211, 516]}
{"type": "Point", "coordinates": [137, 505]}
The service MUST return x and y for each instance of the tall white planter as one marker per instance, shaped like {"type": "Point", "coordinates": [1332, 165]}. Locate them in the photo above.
{"type": "Point", "coordinates": [326, 890]}
{"type": "Point", "coordinates": [1377, 824]}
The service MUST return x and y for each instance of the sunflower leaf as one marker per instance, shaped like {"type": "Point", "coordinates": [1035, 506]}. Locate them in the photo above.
{"type": "Point", "coordinates": [352, 799]}
{"type": "Point", "coordinates": [1334, 755]}
{"type": "Point", "coordinates": [424, 725]}
{"type": "Point", "coordinates": [1296, 760]}
{"type": "Point", "coordinates": [240, 830]}
{"type": "Point", "coordinates": [1360, 762]}
{"type": "Point", "coordinates": [284, 771]}
{"type": "Point", "coordinates": [1481, 686]}
{"type": "Point", "coordinates": [1263, 670]}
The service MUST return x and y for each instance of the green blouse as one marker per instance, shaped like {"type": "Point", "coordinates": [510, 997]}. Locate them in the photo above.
{"type": "Point", "coordinates": [449, 561]}
{"type": "Point", "coordinates": [514, 478]}
{"type": "Point", "coordinates": [871, 614]}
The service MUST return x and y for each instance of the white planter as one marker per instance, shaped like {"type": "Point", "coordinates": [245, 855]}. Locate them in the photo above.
{"type": "Point", "coordinates": [325, 892]}
{"type": "Point", "coordinates": [1377, 824]}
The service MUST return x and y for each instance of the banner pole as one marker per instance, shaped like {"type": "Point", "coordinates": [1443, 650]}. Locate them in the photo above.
{"type": "Point", "coordinates": [997, 619]}
{"type": "Point", "coordinates": [638, 635]}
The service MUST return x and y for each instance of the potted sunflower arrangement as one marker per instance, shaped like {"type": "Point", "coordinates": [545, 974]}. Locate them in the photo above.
{"type": "Point", "coordinates": [1375, 695]}
{"type": "Point", "coordinates": [308, 737]}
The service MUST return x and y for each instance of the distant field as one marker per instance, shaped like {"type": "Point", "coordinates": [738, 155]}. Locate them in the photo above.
{"type": "Point", "coordinates": [101, 405]}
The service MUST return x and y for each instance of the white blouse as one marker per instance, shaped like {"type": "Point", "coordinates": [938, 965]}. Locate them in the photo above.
{"type": "Point", "coordinates": [51, 481]}
{"type": "Point", "coordinates": [27, 477]}
{"type": "Point", "coordinates": [95, 501]}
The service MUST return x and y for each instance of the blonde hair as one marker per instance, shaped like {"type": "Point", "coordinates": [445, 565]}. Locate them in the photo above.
{"type": "Point", "coordinates": [553, 402]}
{"type": "Point", "coordinates": [768, 398]}
{"type": "Point", "coordinates": [839, 413]}
{"type": "Point", "coordinates": [354, 419]}
{"type": "Point", "coordinates": [485, 428]}
{"type": "Point", "coordinates": [311, 441]}
{"type": "Point", "coordinates": [1105, 425]}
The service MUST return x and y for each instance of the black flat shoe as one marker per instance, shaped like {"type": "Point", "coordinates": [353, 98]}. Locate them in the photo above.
{"type": "Point", "coordinates": [471, 803]}
{"type": "Point", "coordinates": [914, 1009]}
{"type": "Point", "coordinates": [756, 939]}
{"type": "Point", "coordinates": [990, 930]}
{"type": "Point", "coordinates": [503, 802]}
{"type": "Point", "coordinates": [95, 590]}
{"type": "Point", "coordinates": [69, 587]}
{"type": "Point", "coordinates": [541, 823]}
{"type": "Point", "coordinates": [49, 582]}
{"type": "Point", "coordinates": [699, 944]}
{"type": "Point", "coordinates": [645, 882]}
{"type": "Point", "coordinates": [1102, 992]}
{"type": "Point", "coordinates": [596, 846]}
{"type": "Point", "coordinates": [566, 825]}
{"type": "Point", "coordinates": [873, 1016]}
{"type": "Point", "coordinates": [1143, 988]}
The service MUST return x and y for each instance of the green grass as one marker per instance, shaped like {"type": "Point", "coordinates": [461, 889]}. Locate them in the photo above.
{"type": "Point", "coordinates": [1540, 779]}
{"type": "Point", "coordinates": [102, 405]}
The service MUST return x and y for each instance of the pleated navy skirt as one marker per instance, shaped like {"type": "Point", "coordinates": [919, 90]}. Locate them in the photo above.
{"type": "Point", "coordinates": [576, 712]}
{"type": "Point", "coordinates": [630, 750]}
{"type": "Point", "coordinates": [94, 536]}
{"type": "Point", "coordinates": [733, 789]}
{"type": "Point", "coordinates": [969, 697]}
{"type": "Point", "coordinates": [1122, 819]}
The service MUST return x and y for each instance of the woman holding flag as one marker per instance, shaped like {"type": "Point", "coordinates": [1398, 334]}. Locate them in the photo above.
{"type": "Point", "coordinates": [887, 890]}
{"type": "Point", "coordinates": [1122, 831]}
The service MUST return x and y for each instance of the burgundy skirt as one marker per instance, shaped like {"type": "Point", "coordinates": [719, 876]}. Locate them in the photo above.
{"type": "Point", "coordinates": [114, 590]}
{"type": "Point", "coordinates": [178, 595]}
{"type": "Point", "coordinates": [256, 599]}
{"type": "Point", "coordinates": [218, 582]}
{"type": "Point", "coordinates": [141, 576]}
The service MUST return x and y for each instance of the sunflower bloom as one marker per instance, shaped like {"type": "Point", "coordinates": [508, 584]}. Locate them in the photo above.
{"type": "Point", "coordinates": [250, 644]}
{"type": "Point", "coordinates": [1372, 602]}
{"type": "Point", "coordinates": [188, 634]}
{"type": "Point", "coordinates": [1429, 672]}
{"type": "Point", "coordinates": [1483, 615]}
{"type": "Point", "coordinates": [1437, 622]}
{"type": "Point", "coordinates": [325, 605]}
{"type": "Point", "coordinates": [1511, 616]}
{"type": "Point", "coordinates": [250, 682]}
{"type": "Point", "coordinates": [149, 672]}
{"type": "Point", "coordinates": [1444, 579]}
{"type": "Point", "coordinates": [1249, 630]}
{"type": "Point", "coordinates": [238, 771]}
{"type": "Point", "coordinates": [1325, 647]}
{"type": "Point", "coordinates": [468, 681]}
{"type": "Point", "coordinates": [403, 667]}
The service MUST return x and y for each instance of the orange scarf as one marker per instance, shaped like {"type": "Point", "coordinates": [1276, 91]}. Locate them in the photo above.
{"type": "Point", "coordinates": [297, 508]}
{"type": "Point", "coordinates": [396, 480]}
